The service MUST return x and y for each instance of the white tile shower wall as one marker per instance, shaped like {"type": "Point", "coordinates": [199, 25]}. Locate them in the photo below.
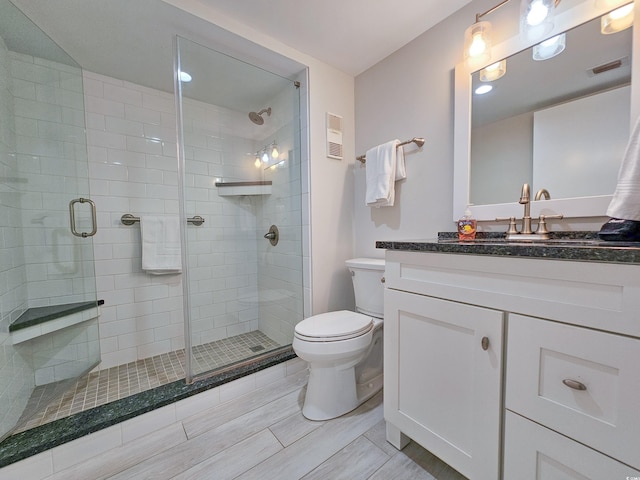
{"type": "Point", "coordinates": [222, 252]}
{"type": "Point", "coordinates": [16, 376]}
{"type": "Point", "coordinates": [132, 169]}
{"type": "Point", "coordinates": [280, 267]}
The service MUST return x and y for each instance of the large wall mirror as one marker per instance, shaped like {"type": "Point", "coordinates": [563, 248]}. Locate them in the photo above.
{"type": "Point", "coordinates": [561, 124]}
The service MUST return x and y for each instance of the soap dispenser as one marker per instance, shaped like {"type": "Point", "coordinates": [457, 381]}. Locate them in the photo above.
{"type": "Point", "coordinates": [467, 226]}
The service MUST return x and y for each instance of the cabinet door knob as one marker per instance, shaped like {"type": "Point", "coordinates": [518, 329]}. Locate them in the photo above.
{"type": "Point", "coordinates": [485, 343]}
{"type": "Point", "coordinates": [576, 385]}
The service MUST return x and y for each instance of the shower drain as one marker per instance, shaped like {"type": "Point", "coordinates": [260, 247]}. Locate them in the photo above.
{"type": "Point", "coordinates": [257, 348]}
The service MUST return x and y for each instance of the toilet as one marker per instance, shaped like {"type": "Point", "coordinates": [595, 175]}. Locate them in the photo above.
{"type": "Point", "coordinates": [344, 348]}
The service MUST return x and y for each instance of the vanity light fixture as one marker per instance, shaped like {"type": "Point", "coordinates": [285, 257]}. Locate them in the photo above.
{"type": "Point", "coordinates": [493, 71]}
{"type": "Point", "coordinates": [550, 47]}
{"type": "Point", "coordinates": [536, 18]}
{"type": "Point", "coordinates": [617, 20]}
{"type": "Point", "coordinates": [477, 40]}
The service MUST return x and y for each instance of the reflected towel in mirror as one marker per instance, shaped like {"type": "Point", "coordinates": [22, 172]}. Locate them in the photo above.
{"type": "Point", "coordinates": [625, 203]}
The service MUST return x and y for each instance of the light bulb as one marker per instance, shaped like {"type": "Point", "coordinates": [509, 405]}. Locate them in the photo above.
{"type": "Point", "coordinates": [550, 48]}
{"type": "Point", "coordinates": [536, 18]}
{"type": "Point", "coordinates": [274, 152]}
{"type": "Point", "coordinates": [537, 13]}
{"type": "Point", "coordinates": [478, 45]}
{"type": "Point", "coordinates": [257, 163]}
{"type": "Point", "coordinates": [184, 77]}
{"type": "Point", "coordinates": [265, 157]}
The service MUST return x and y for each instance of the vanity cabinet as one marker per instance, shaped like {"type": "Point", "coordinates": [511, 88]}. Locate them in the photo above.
{"type": "Point", "coordinates": [556, 393]}
{"type": "Point", "coordinates": [444, 392]}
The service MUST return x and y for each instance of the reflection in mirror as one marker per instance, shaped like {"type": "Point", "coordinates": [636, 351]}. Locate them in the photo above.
{"type": "Point", "coordinates": [561, 124]}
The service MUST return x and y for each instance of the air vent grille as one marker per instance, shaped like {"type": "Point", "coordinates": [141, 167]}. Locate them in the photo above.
{"type": "Point", "coordinates": [334, 136]}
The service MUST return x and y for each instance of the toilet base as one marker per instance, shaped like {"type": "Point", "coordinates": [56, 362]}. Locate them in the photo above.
{"type": "Point", "coordinates": [331, 392]}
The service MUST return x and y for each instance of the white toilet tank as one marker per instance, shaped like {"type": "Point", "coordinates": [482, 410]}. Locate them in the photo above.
{"type": "Point", "coordinates": [366, 275]}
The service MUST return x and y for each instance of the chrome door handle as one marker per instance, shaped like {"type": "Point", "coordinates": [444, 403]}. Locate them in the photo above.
{"type": "Point", "coordinates": [72, 218]}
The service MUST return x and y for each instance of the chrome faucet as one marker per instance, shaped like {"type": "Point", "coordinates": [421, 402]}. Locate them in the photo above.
{"type": "Point", "coordinates": [525, 232]}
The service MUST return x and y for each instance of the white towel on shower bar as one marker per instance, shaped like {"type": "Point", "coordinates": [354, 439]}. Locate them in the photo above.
{"type": "Point", "coordinates": [625, 203]}
{"type": "Point", "coordinates": [384, 166]}
{"type": "Point", "coordinates": [161, 252]}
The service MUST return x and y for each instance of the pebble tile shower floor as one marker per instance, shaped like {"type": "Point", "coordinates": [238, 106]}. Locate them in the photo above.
{"type": "Point", "coordinates": [118, 382]}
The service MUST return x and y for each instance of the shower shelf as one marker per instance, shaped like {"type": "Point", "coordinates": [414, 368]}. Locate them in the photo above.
{"type": "Point", "coordinates": [38, 321]}
{"type": "Point", "coordinates": [228, 189]}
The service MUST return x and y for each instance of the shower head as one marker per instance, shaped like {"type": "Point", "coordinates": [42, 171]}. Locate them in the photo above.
{"type": "Point", "coordinates": [256, 117]}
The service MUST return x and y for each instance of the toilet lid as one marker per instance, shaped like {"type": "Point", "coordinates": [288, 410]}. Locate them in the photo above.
{"type": "Point", "coordinates": [333, 326]}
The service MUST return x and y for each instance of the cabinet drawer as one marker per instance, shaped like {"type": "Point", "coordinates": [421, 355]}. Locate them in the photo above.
{"type": "Point", "coordinates": [533, 452]}
{"type": "Point", "coordinates": [579, 382]}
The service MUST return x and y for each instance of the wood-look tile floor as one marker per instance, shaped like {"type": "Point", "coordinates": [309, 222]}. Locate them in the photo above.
{"type": "Point", "coordinates": [263, 435]}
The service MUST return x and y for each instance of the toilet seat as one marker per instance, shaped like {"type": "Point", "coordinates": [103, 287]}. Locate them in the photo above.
{"type": "Point", "coordinates": [333, 326]}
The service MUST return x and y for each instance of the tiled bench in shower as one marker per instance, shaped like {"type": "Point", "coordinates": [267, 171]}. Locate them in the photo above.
{"type": "Point", "coordinates": [38, 321]}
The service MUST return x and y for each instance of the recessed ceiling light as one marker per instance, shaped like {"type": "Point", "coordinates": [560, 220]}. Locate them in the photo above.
{"type": "Point", "coordinates": [482, 89]}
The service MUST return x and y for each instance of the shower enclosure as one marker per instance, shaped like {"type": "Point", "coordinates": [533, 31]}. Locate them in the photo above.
{"type": "Point", "coordinates": [48, 309]}
{"type": "Point", "coordinates": [239, 152]}
{"type": "Point", "coordinates": [237, 166]}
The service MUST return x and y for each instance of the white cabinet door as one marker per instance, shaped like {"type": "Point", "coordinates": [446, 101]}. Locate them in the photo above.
{"type": "Point", "coordinates": [533, 452]}
{"type": "Point", "coordinates": [442, 381]}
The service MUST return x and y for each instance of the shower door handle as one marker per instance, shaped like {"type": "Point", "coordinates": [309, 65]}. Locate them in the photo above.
{"type": "Point", "coordinates": [72, 218]}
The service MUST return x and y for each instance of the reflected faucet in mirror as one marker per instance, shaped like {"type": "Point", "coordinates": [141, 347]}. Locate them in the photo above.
{"type": "Point", "coordinates": [543, 192]}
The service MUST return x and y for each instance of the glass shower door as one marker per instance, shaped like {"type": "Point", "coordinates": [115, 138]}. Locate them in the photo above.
{"type": "Point", "coordinates": [240, 168]}
{"type": "Point", "coordinates": [48, 309]}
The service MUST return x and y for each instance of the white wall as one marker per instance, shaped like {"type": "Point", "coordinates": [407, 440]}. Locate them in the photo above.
{"type": "Point", "coordinates": [410, 93]}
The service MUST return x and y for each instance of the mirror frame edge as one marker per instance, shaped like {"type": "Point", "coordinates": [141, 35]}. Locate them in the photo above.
{"type": "Point", "coordinates": [577, 207]}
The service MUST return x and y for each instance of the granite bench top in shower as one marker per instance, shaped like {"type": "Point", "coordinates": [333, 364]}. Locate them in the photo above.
{"type": "Point", "coordinates": [39, 439]}
{"type": "Point", "coordinates": [574, 246]}
{"type": "Point", "coordinates": [38, 315]}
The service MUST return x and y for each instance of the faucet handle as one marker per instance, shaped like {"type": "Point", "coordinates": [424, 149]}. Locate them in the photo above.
{"type": "Point", "coordinates": [512, 224]}
{"type": "Point", "coordinates": [542, 224]}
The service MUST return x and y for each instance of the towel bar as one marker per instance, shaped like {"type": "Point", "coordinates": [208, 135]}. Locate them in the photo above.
{"type": "Point", "coordinates": [419, 141]}
{"type": "Point", "coordinates": [128, 219]}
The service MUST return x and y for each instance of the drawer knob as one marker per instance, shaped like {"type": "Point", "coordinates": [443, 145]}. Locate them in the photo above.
{"type": "Point", "coordinates": [576, 385]}
{"type": "Point", "coordinates": [382, 280]}
{"type": "Point", "coordinates": [485, 343]}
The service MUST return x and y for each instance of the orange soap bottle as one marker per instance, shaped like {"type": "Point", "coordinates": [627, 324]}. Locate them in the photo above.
{"type": "Point", "coordinates": [467, 226]}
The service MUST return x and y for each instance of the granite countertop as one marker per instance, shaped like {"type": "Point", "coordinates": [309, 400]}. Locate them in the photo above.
{"type": "Point", "coordinates": [576, 246]}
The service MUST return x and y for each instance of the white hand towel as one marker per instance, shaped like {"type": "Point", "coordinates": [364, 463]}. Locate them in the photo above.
{"type": "Point", "coordinates": [625, 203]}
{"type": "Point", "coordinates": [161, 252]}
{"type": "Point", "coordinates": [385, 165]}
